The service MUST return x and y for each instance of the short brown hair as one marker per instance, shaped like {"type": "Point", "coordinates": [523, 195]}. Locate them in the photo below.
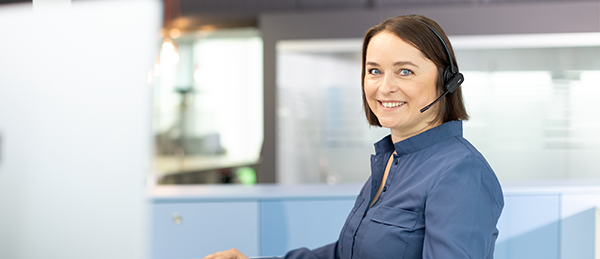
{"type": "Point", "coordinates": [411, 28]}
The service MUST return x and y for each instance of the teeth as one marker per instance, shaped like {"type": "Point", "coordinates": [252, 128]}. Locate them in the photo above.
{"type": "Point", "coordinates": [391, 105]}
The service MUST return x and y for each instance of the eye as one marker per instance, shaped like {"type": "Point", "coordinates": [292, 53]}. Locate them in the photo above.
{"type": "Point", "coordinates": [374, 71]}
{"type": "Point", "coordinates": [404, 72]}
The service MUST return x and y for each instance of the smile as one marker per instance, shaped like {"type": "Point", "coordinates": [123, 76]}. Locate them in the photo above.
{"type": "Point", "coordinates": [391, 104]}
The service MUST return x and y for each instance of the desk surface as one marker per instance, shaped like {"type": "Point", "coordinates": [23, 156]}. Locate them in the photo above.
{"type": "Point", "coordinates": [190, 193]}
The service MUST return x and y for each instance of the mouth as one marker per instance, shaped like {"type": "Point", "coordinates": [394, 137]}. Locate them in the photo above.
{"type": "Point", "coordinates": [388, 104]}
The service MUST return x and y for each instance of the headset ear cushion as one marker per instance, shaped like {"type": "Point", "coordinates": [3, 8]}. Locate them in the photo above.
{"type": "Point", "coordinates": [454, 82]}
{"type": "Point", "coordinates": [447, 75]}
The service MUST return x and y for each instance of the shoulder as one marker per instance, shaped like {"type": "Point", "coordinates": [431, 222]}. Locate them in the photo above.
{"type": "Point", "coordinates": [460, 163]}
{"type": "Point", "coordinates": [458, 151]}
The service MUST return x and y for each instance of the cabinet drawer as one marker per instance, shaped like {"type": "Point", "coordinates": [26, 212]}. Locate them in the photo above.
{"type": "Point", "coordinates": [193, 230]}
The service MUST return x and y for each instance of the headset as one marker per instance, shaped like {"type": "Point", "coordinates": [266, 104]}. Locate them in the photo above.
{"type": "Point", "coordinates": [452, 78]}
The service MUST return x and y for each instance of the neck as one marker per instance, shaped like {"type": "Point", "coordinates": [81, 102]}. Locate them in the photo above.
{"type": "Point", "coordinates": [398, 135]}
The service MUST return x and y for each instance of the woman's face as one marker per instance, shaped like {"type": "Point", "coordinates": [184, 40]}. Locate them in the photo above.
{"type": "Point", "coordinates": [399, 81]}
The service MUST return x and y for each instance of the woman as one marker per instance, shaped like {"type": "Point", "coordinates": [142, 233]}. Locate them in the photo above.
{"type": "Point", "coordinates": [431, 194]}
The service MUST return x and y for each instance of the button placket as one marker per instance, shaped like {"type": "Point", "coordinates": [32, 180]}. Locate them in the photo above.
{"type": "Point", "coordinates": [391, 175]}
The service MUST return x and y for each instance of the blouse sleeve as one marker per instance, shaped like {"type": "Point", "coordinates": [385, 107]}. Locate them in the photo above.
{"type": "Point", "coordinates": [325, 252]}
{"type": "Point", "coordinates": [461, 212]}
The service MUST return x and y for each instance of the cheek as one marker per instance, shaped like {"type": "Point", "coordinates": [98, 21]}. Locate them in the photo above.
{"type": "Point", "coordinates": [426, 93]}
{"type": "Point", "coordinates": [369, 98]}
{"type": "Point", "coordinates": [369, 90]}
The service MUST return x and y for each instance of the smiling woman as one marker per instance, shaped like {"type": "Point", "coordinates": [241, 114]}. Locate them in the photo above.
{"type": "Point", "coordinates": [419, 43]}
{"type": "Point", "coordinates": [398, 82]}
{"type": "Point", "coordinates": [431, 194]}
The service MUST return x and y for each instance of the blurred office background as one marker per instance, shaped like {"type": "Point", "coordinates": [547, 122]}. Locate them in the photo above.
{"type": "Point", "coordinates": [268, 91]}
{"type": "Point", "coordinates": [532, 74]}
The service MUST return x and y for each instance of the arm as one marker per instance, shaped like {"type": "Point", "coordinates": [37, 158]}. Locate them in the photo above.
{"type": "Point", "coordinates": [227, 254]}
{"type": "Point", "coordinates": [325, 252]}
{"type": "Point", "coordinates": [461, 212]}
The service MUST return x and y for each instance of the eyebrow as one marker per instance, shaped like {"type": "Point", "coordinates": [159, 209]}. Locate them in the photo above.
{"type": "Point", "coordinates": [398, 63]}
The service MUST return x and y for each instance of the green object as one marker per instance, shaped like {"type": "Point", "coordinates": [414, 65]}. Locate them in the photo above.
{"type": "Point", "coordinates": [246, 175]}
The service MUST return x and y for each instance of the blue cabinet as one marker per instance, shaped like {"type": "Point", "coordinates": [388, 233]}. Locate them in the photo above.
{"type": "Point", "coordinates": [529, 227]}
{"type": "Point", "coordinates": [196, 229]}
{"type": "Point", "coordinates": [263, 220]}
{"type": "Point", "coordinates": [191, 222]}
{"type": "Point", "coordinates": [311, 223]}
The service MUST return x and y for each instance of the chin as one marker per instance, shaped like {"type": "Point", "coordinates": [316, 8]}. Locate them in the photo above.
{"type": "Point", "coordinates": [388, 125]}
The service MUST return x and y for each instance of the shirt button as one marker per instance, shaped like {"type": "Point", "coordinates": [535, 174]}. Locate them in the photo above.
{"type": "Point", "coordinates": [396, 162]}
{"type": "Point", "coordinates": [384, 188]}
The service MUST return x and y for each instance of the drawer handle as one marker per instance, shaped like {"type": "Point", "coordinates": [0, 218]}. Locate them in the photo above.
{"type": "Point", "coordinates": [177, 219]}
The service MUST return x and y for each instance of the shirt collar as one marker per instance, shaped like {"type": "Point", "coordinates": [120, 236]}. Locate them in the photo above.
{"type": "Point", "coordinates": [420, 141]}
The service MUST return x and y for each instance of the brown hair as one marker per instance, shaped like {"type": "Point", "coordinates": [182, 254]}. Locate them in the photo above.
{"type": "Point", "coordinates": [410, 28]}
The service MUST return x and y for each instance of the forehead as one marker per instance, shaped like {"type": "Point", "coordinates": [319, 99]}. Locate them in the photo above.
{"type": "Point", "coordinates": [390, 44]}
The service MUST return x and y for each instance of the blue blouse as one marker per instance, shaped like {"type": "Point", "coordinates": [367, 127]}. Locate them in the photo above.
{"type": "Point", "coordinates": [441, 200]}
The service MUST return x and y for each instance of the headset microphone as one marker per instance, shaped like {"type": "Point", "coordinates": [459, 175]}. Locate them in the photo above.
{"type": "Point", "coordinates": [454, 82]}
{"type": "Point", "coordinates": [452, 78]}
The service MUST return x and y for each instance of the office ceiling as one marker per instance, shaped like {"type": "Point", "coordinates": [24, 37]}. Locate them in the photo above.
{"type": "Point", "coordinates": [235, 13]}
{"type": "Point", "coordinates": [192, 15]}
{"type": "Point", "coordinates": [206, 14]}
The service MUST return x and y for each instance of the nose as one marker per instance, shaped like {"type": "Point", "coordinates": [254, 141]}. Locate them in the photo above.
{"type": "Point", "coordinates": [388, 84]}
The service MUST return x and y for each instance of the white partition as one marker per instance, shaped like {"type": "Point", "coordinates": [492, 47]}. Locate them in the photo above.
{"type": "Point", "coordinates": [75, 129]}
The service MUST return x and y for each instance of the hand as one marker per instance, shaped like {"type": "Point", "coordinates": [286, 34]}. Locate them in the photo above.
{"type": "Point", "coordinates": [229, 254]}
